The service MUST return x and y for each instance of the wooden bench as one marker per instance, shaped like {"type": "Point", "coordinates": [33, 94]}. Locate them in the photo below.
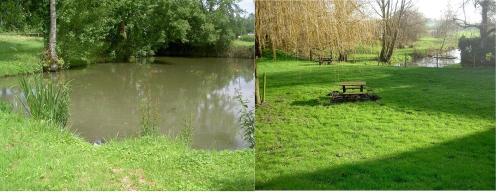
{"type": "Point", "coordinates": [322, 60]}
{"type": "Point", "coordinates": [353, 85]}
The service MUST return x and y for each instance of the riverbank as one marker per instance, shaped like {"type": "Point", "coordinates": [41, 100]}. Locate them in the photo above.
{"type": "Point", "coordinates": [38, 156]}
{"type": "Point", "coordinates": [431, 129]}
{"type": "Point", "coordinates": [20, 54]}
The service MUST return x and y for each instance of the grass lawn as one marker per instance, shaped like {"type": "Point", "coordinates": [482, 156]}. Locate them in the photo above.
{"type": "Point", "coordinates": [37, 156]}
{"type": "Point", "coordinates": [240, 43]}
{"type": "Point", "coordinates": [432, 129]}
{"type": "Point", "coordinates": [19, 54]}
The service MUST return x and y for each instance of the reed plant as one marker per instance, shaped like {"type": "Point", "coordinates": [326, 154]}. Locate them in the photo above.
{"type": "Point", "coordinates": [149, 118]}
{"type": "Point", "coordinates": [247, 120]}
{"type": "Point", "coordinates": [46, 100]}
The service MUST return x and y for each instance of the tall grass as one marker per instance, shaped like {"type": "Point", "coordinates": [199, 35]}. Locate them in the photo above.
{"type": "Point", "coordinates": [149, 118]}
{"type": "Point", "coordinates": [247, 121]}
{"type": "Point", "coordinates": [46, 100]}
{"type": "Point", "coordinates": [186, 133]}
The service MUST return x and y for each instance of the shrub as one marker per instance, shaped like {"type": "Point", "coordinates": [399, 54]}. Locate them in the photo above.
{"type": "Point", "coordinates": [46, 100]}
{"type": "Point", "coordinates": [472, 55]}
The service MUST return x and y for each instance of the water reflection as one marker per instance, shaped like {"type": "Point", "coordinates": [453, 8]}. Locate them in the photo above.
{"type": "Point", "coordinates": [448, 58]}
{"type": "Point", "coordinates": [197, 92]}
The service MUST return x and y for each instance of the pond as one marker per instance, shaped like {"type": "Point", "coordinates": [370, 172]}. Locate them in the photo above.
{"type": "Point", "coordinates": [199, 93]}
{"type": "Point", "coordinates": [448, 58]}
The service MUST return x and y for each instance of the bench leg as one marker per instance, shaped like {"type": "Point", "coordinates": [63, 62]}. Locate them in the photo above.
{"type": "Point", "coordinates": [361, 88]}
{"type": "Point", "coordinates": [343, 89]}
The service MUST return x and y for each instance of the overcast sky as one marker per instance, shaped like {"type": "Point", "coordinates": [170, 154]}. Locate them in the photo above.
{"type": "Point", "coordinates": [435, 8]}
{"type": "Point", "coordinates": [247, 5]}
{"type": "Point", "coordinates": [430, 8]}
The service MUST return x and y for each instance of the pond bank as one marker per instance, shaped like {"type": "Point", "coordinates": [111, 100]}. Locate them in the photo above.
{"type": "Point", "coordinates": [195, 93]}
{"type": "Point", "coordinates": [38, 156]}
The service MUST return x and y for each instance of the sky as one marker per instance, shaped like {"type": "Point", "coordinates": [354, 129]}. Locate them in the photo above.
{"type": "Point", "coordinates": [247, 5]}
{"type": "Point", "coordinates": [434, 9]}
{"type": "Point", "coordinates": [430, 8]}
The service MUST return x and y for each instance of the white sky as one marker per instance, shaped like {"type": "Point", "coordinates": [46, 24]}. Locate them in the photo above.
{"type": "Point", "coordinates": [247, 5]}
{"type": "Point", "coordinates": [434, 9]}
{"type": "Point", "coordinates": [430, 8]}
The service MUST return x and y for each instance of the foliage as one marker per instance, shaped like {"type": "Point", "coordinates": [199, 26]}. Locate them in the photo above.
{"type": "Point", "coordinates": [45, 100]}
{"type": "Point", "coordinates": [247, 120]}
{"type": "Point", "coordinates": [120, 29]}
{"type": "Point", "coordinates": [48, 158]}
{"type": "Point", "coordinates": [23, 15]}
{"type": "Point", "coordinates": [472, 55]}
{"type": "Point", "coordinates": [431, 128]}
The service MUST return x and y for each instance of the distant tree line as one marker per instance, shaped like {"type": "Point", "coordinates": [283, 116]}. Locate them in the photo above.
{"type": "Point", "coordinates": [119, 29]}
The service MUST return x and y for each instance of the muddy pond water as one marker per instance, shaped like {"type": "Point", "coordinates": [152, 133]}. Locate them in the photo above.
{"type": "Point", "coordinates": [450, 57]}
{"type": "Point", "coordinates": [199, 93]}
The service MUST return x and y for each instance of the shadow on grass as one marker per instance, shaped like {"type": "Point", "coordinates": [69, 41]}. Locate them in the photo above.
{"type": "Point", "coordinates": [467, 92]}
{"type": "Point", "coordinates": [467, 163]}
{"type": "Point", "coordinates": [320, 101]}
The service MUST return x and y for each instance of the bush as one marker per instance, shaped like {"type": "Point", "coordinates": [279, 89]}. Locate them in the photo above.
{"type": "Point", "coordinates": [472, 55]}
{"type": "Point", "coordinates": [46, 100]}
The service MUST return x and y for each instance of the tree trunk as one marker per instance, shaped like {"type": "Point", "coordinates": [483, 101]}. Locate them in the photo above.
{"type": "Point", "coordinates": [52, 37]}
{"type": "Point", "coordinates": [483, 30]}
{"type": "Point", "coordinates": [258, 51]}
{"type": "Point", "coordinates": [342, 56]}
{"type": "Point", "coordinates": [257, 93]}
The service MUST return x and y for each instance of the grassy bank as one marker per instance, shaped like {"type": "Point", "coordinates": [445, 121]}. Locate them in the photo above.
{"type": "Point", "coordinates": [432, 129]}
{"type": "Point", "coordinates": [37, 156]}
{"type": "Point", "coordinates": [19, 54]}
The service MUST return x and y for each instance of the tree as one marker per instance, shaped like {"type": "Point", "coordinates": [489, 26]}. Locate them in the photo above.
{"type": "Point", "coordinates": [413, 27]}
{"type": "Point", "coordinates": [487, 25]}
{"type": "Point", "coordinates": [444, 31]}
{"type": "Point", "coordinates": [303, 27]}
{"type": "Point", "coordinates": [53, 60]}
{"type": "Point", "coordinates": [391, 13]}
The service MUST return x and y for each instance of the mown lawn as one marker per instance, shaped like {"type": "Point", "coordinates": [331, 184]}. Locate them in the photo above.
{"type": "Point", "coordinates": [20, 54]}
{"type": "Point", "coordinates": [432, 129]}
{"type": "Point", "coordinates": [37, 156]}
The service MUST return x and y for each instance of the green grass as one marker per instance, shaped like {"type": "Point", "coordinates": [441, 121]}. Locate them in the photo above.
{"type": "Point", "coordinates": [432, 129]}
{"type": "Point", "coordinates": [240, 43]}
{"type": "Point", "coordinates": [38, 156]}
{"type": "Point", "coordinates": [19, 54]}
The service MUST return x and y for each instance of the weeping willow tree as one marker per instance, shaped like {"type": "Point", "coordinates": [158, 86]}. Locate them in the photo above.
{"type": "Point", "coordinates": [314, 26]}
{"type": "Point", "coordinates": [302, 27]}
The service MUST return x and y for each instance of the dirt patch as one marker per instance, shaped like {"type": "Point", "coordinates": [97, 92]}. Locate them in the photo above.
{"type": "Point", "coordinates": [132, 179]}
